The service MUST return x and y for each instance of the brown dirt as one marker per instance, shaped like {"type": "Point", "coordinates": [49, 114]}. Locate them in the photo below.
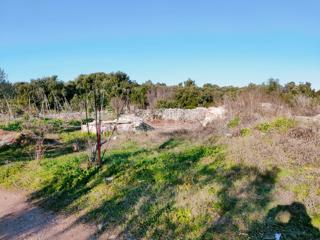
{"type": "Point", "coordinates": [7, 138]}
{"type": "Point", "coordinates": [20, 219]}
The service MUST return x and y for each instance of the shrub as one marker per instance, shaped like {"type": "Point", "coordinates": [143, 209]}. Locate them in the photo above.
{"type": "Point", "coordinates": [283, 124]}
{"type": "Point", "coordinates": [280, 124]}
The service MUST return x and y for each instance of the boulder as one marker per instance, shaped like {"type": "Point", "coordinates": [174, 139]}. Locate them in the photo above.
{"type": "Point", "coordinates": [213, 113]}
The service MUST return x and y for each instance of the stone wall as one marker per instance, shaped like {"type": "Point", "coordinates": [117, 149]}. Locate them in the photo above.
{"type": "Point", "coordinates": [202, 115]}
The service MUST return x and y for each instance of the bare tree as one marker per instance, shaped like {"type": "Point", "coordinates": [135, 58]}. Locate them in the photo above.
{"type": "Point", "coordinates": [117, 104]}
{"type": "Point", "coordinates": [37, 130]}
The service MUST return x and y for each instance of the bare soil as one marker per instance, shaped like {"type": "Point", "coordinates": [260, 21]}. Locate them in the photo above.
{"type": "Point", "coordinates": [20, 219]}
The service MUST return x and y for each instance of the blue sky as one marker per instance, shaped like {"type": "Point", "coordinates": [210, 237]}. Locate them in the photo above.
{"type": "Point", "coordinates": [226, 42]}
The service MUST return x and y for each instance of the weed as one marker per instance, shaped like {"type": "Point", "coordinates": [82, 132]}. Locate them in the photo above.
{"type": "Point", "coordinates": [244, 132]}
{"type": "Point", "coordinates": [233, 123]}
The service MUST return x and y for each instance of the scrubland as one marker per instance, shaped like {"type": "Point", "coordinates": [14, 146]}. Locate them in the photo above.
{"type": "Point", "coordinates": [248, 176]}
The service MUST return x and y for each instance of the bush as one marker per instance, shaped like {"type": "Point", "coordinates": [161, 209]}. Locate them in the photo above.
{"type": "Point", "coordinates": [280, 124]}
{"type": "Point", "coordinates": [284, 124]}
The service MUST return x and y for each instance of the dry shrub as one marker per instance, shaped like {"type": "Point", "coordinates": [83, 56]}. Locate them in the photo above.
{"type": "Point", "coordinates": [302, 133]}
{"type": "Point", "coordinates": [299, 146]}
{"type": "Point", "coordinates": [254, 104]}
{"type": "Point", "coordinates": [305, 106]}
{"type": "Point", "coordinates": [117, 104]}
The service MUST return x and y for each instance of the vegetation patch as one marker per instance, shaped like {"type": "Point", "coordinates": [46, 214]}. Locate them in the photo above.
{"type": "Point", "coordinates": [244, 132]}
{"type": "Point", "coordinates": [12, 126]}
{"type": "Point", "coordinates": [233, 123]}
{"type": "Point", "coordinates": [279, 124]}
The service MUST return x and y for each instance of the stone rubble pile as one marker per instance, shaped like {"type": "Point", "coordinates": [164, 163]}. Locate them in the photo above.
{"type": "Point", "coordinates": [125, 123]}
{"type": "Point", "coordinates": [200, 114]}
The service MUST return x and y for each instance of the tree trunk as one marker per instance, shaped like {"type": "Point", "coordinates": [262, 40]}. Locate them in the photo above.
{"type": "Point", "coordinates": [86, 109]}
{"type": "Point", "coordinates": [98, 128]}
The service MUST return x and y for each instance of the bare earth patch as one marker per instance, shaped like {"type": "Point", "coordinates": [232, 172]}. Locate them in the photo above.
{"type": "Point", "coordinates": [22, 220]}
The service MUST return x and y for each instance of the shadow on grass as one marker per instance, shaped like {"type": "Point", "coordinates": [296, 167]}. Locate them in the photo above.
{"type": "Point", "coordinates": [145, 187]}
{"type": "Point", "coordinates": [146, 206]}
{"type": "Point", "coordinates": [245, 191]}
{"type": "Point", "coordinates": [15, 154]}
{"type": "Point", "coordinates": [24, 153]}
{"type": "Point", "coordinates": [170, 143]}
{"type": "Point", "coordinates": [71, 181]}
{"type": "Point", "coordinates": [292, 221]}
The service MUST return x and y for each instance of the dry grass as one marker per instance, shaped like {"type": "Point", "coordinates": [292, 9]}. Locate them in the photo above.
{"type": "Point", "coordinates": [255, 105]}
{"type": "Point", "coordinates": [295, 152]}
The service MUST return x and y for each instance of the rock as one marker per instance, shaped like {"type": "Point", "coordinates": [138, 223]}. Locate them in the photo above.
{"type": "Point", "coordinates": [108, 179]}
{"type": "Point", "coordinates": [212, 114]}
{"type": "Point", "coordinates": [200, 114]}
{"type": "Point", "coordinates": [125, 123]}
{"type": "Point", "coordinates": [100, 227]}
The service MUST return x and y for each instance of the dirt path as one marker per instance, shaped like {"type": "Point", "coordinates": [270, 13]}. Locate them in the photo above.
{"type": "Point", "coordinates": [21, 220]}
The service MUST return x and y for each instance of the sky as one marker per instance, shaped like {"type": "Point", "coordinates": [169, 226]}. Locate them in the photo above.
{"type": "Point", "coordinates": [224, 42]}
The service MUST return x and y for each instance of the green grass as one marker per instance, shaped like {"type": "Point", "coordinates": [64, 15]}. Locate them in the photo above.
{"type": "Point", "coordinates": [12, 126]}
{"type": "Point", "coordinates": [16, 154]}
{"type": "Point", "coordinates": [177, 190]}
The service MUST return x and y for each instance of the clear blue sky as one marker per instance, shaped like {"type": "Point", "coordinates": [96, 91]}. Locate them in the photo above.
{"type": "Point", "coordinates": [218, 41]}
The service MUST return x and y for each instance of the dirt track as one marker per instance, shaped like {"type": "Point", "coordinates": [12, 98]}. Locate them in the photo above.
{"type": "Point", "coordinates": [21, 220]}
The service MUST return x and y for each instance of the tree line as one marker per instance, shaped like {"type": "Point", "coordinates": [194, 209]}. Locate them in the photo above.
{"type": "Point", "coordinates": [116, 89]}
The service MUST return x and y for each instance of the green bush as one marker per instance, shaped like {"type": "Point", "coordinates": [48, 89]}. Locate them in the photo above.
{"type": "Point", "coordinates": [284, 124]}
{"type": "Point", "coordinates": [280, 124]}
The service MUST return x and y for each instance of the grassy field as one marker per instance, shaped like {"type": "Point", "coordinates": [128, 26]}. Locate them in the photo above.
{"type": "Point", "coordinates": [248, 186]}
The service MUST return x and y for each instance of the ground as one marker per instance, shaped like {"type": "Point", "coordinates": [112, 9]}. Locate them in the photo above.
{"type": "Point", "coordinates": [244, 183]}
{"type": "Point", "coordinates": [19, 219]}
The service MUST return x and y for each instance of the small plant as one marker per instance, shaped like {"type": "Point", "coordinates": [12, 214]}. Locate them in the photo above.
{"type": "Point", "coordinates": [264, 127]}
{"type": "Point", "coordinates": [244, 132]}
{"type": "Point", "coordinates": [182, 216]}
{"type": "Point", "coordinates": [235, 122]}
